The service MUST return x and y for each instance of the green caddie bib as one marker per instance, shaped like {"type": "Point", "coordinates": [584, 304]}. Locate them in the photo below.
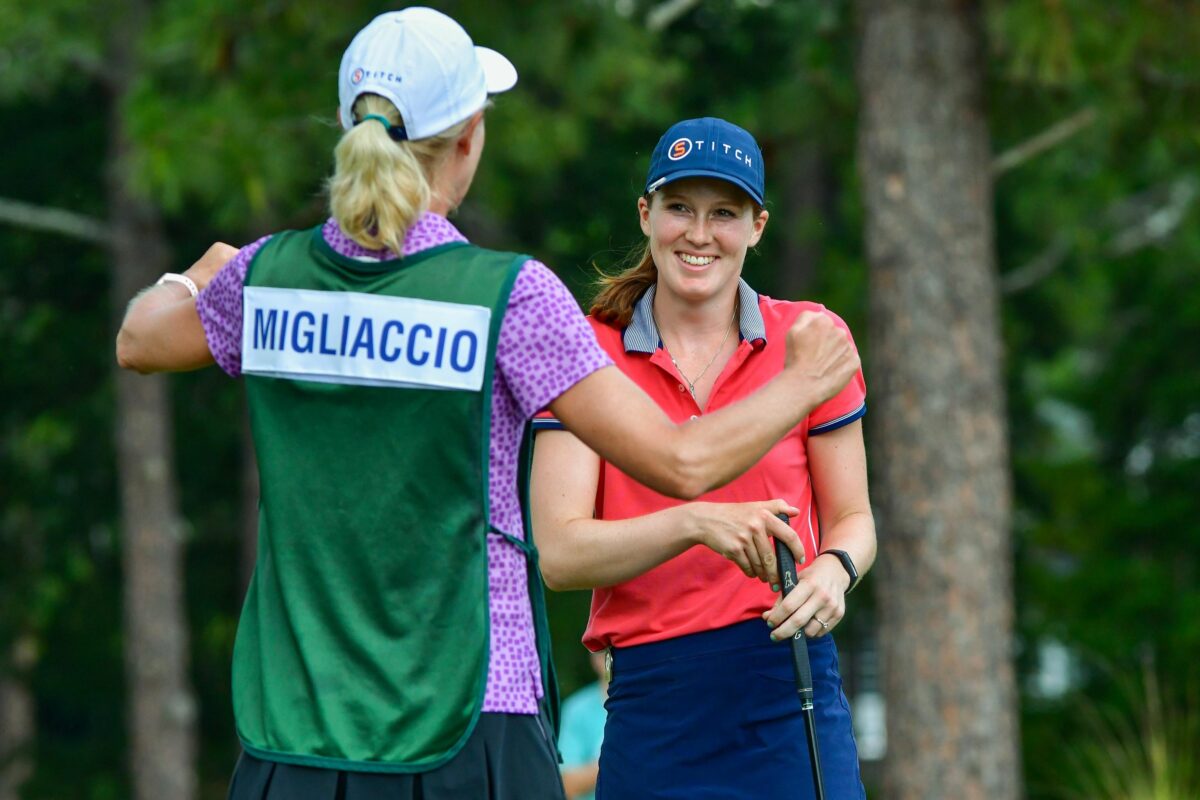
{"type": "Point", "coordinates": [363, 643]}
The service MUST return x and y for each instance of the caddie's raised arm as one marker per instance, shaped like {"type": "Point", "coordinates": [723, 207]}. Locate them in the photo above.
{"type": "Point", "coordinates": [614, 417]}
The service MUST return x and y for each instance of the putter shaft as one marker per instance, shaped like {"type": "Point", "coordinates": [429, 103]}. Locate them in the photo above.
{"type": "Point", "coordinates": [802, 667]}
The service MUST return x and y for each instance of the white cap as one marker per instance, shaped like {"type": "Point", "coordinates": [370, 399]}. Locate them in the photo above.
{"type": "Point", "coordinates": [427, 65]}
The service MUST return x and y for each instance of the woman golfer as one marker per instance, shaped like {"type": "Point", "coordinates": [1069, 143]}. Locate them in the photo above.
{"type": "Point", "coordinates": [703, 700]}
{"type": "Point", "coordinates": [388, 646]}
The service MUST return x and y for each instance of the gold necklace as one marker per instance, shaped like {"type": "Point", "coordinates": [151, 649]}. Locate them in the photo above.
{"type": "Point", "coordinates": [691, 384]}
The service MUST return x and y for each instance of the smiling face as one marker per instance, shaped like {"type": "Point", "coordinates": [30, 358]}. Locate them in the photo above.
{"type": "Point", "coordinates": [699, 231]}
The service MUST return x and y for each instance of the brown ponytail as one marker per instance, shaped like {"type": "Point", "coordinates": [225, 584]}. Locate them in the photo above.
{"type": "Point", "coordinates": [617, 294]}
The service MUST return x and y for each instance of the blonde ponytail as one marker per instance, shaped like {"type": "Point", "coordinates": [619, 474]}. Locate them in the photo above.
{"type": "Point", "coordinates": [380, 186]}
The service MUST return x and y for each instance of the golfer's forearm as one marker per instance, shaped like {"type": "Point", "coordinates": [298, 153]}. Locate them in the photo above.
{"type": "Point", "coordinates": [854, 533]}
{"type": "Point", "coordinates": [586, 553]}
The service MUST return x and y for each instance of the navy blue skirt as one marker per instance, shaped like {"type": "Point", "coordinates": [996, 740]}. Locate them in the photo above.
{"type": "Point", "coordinates": [715, 716]}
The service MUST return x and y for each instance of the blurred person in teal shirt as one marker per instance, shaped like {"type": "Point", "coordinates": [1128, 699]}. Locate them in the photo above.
{"type": "Point", "coordinates": [582, 733]}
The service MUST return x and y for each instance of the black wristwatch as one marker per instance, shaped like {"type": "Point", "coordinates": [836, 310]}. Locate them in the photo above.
{"type": "Point", "coordinates": [848, 564]}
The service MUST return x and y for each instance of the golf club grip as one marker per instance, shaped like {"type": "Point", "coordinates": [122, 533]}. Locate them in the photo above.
{"type": "Point", "coordinates": [788, 575]}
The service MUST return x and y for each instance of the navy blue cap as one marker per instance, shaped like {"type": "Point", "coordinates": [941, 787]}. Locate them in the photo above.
{"type": "Point", "coordinates": [707, 148]}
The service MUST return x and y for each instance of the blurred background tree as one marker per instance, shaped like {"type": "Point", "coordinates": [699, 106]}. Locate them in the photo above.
{"type": "Point", "coordinates": [223, 129]}
{"type": "Point", "coordinates": [938, 428]}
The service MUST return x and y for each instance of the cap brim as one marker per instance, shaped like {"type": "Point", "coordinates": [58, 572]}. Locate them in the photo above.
{"type": "Point", "coordinates": [498, 71]}
{"type": "Point", "coordinates": [667, 180]}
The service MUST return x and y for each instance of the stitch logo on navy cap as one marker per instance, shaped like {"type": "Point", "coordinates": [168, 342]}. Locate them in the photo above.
{"type": "Point", "coordinates": [707, 148]}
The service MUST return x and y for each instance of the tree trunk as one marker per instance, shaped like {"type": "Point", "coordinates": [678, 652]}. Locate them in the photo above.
{"type": "Point", "coordinates": [939, 445]}
{"type": "Point", "coordinates": [162, 709]}
{"type": "Point", "coordinates": [17, 720]}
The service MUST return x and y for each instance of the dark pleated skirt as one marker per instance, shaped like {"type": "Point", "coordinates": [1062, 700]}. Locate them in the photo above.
{"type": "Point", "coordinates": [715, 716]}
{"type": "Point", "coordinates": [507, 757]}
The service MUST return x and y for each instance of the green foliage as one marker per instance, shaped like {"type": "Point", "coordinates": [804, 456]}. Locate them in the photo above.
{"type": "Point", "coordinates": [59, 569]}
{"type": "Point", "coordinates": [1105, 422]}
{"type": "Point", "coordinates": [59, 45]}
{"type": "Point", "coordinates": [236, 110]}
{"type": "Point", "coordinates": [1142, 747]}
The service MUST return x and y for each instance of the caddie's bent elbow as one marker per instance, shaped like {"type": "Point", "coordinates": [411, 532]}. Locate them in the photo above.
{"type": "Point", "coordinates": [555, 575]}
{"type": "Point", "coordinates": [125, 356]}
{"type": "Point", "coordinates": [128, 355]}
{"type": "Point", "coordinates": [691, 485]}
{"type": "Point", "coordinates": [552, 580]}
{"type": "Point", "coordinates": [689, 472]}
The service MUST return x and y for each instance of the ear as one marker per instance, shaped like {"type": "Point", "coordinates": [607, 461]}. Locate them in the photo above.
{"type": "Point", "coordinates": [644, 213]}
{"type": "Point", "coordinates": [339, 117]}
{"type": "Point", "coordinates": [467, 140]}
{"type": "Point", "coordinates": [760, 224]}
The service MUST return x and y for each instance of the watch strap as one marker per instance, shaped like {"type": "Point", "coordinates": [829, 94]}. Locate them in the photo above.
{"type": "Point", "coordinates": [175, 277]}
{"type": "Point", "coordinates": [847, 564]}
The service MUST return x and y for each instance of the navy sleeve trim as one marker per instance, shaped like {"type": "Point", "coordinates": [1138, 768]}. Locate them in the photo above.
{"type": "Point", "coordinates": [547, 424]}
{"type": "Point", "coordinates": [840, 422]}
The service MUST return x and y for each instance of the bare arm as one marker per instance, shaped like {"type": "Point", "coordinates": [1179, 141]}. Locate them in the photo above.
{"type": "Point", "coordinates": [161, 331]}
{"type": "Point", "coordinates": [578, 781]}
{"type": "Point", "coordinates": [614, 417]}
{"type": "Point", "coordinates": [838, 465]}
{"type": "Point", "coordinates": [579, 552]}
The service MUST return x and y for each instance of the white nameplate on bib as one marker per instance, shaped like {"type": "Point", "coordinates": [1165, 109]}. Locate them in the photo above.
{"type": "Point", "coordinates": [350, 337]}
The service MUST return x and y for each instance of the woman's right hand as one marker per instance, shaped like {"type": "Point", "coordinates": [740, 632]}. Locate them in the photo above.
{"type": "Point", "coordinates": [742, 533]}
{"type": "Point", "coordinates": [820, 354]}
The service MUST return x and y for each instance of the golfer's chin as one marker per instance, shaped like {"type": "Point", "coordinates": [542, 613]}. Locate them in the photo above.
{"type": "Point", "coordinates": [697, 289]}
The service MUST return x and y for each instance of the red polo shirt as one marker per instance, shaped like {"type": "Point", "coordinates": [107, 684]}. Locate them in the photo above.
{"type": "Point", "coordinates": [699, 590]}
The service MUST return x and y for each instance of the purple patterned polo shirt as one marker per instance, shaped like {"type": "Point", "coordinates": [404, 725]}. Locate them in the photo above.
{"type": "Point", "coordinates": [545, 347]}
